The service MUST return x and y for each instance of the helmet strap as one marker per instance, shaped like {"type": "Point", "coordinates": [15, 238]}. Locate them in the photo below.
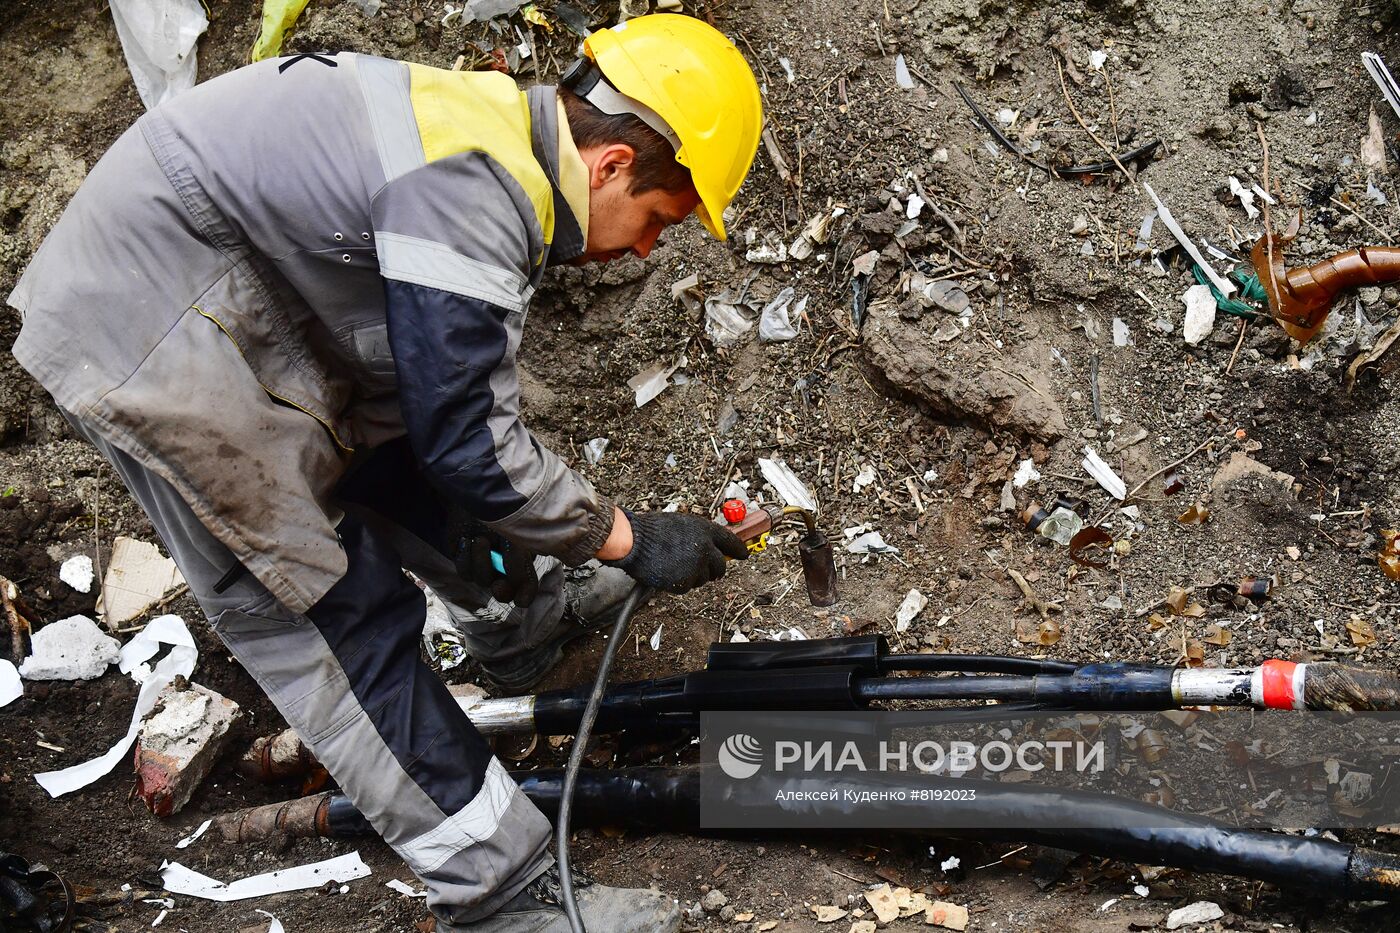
{"type": "Point", "coordinates": [586, 80]}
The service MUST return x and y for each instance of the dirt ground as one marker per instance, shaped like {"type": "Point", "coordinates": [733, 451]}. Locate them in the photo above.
{"type": "Point", "coordinates": [941, 411]}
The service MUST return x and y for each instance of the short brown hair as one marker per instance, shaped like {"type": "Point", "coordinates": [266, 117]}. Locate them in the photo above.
{"type": "Point", "coordinates": [655, 165]}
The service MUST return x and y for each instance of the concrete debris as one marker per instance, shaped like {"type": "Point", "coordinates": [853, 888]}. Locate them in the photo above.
{"type": "Point", "coordinates": [827, 913]}
{"type": "Point", "coordinates": [946, 915]}
{"type": "Point", "coordinates": [882, 901]}
{"type": "Point", "coordinates": [1199, 912]}
{"type": "Point", "coordinates": [77, 573]}
{"type": "Point", "coordinates": [914, 603]}
{"type": "Point", "coordinates": [180, 740]}
{"type": "Point", "coordinates": [714, 900]}
{"type": "Point", "coordinates": [1010, 393]}
{"type": "Point", "coordinates": [1008, 498]}
{"type": "Point", "coordinates": [1200, 314]}
{"type": "Point", "coordinates": [770, 252]}
{"type": "Point", "coordinates": [137, 578]}
{"type": "Point", "coordinates": [70, 649]}
{"type": "Point", "coordinates": [1103, 474]}
{"type": "Point", "coordinates": [1025, 473]}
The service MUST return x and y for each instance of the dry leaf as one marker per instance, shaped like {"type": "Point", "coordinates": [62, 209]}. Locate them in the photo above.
{"type": "Point", "coordinates": [767, 925]}
{"type": "Point", "coordinates": [1195, 654]}
{"type": "Point", "coordinates": [1196, 515]}
{"type": "Point", "coordinates": [826, 913]}
{"type": "Point", "coordinates": [1215, 635]}
{"type": "Point", "coordinates": [1362, 635]}
{"type": "Point", "coordinates": [1373, 144]}
{"type": "Point", "coordinates": [1155, 622]}
{"type": "Point", "coordinates": [744, 917]}
{"type": "Point", "coordinates": [1194, 611]}
{"type": "Point", "coordinates": [1176, 599]}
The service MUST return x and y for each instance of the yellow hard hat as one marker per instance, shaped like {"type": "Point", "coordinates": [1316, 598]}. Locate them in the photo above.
{"type": "Point", "coordinates": [694, 79]}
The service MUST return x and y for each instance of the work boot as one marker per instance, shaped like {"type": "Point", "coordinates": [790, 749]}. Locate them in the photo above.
{"type": "Point", "coordinates": [536, 909]}
{"type": "Point", "coordinates": [593, 595]}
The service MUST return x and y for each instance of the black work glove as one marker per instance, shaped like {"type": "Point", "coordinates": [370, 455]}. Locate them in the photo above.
{"type": "Point", "coordinates": [473, 544]}
{"type": "Point", "coordinates": [677, 552]}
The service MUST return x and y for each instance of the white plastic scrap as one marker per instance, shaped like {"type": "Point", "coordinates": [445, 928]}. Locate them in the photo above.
{"type": "Point", "coordinates": [1096, 59]}
{"type": "Point", "coordinates": [914, 603]}
{"type": "Point", "coordinates": [70, 649]}
{"type": "Point", "coordinates": [274, 925]}
{"type": "Point", "coordinates": [184, 843]}
{"type": "Point", "coordinates": [870, 543]}
{"type": "Point", "coordinates": [77, 573]}
{"type": "Point", "coordinates": [1246, 196]}
{"type": "Point", "coordinates": [785, 483]}
{"type": "Point", "coordinates": [914, 207]}
{"type": "Point", "coordinates": [787, 69]}
{"type": "Point", "coordinates": [1025, 473]}
{"type": "Point", "coordinates": [1376, 68]}
{"type": "Point", "coordinates": [901, 73]}
{"type": "Point", "coordinates": [1122, 337]}
{"type": "Point", "coordinates": [1200, 314]}
{"type": "Point", "coordinates": [479, 11]}
{"type": "Point", "coordinates": [11, 688]}
{"type": "Point", "coordinates": [1373, 194]}
{"type": "Point", "coordinates": [864, 478]}
{"type": "Point", "coordinates": [949, 863]}
{"type": "Point", "coordinates": [725, 323]}
{"type": "Point", "coordinates": [158, 38]}
{"type": "Point", "coordinates": [773, 323]}
{"type": "Point", "coordinates": [1222, 285]}
{"type": "Point", "coordinates": [404, 889]}
{"type": "Point", "coordinates": [164, 630]}
{"type": "Point", "coordinates": [1103, 474]}
{"type": "Point", "coordinates": [180, 880]}
{"type": "Point", "coordinates": [593, 450]}
{"type": "Point", "coordinates": [655, 640]}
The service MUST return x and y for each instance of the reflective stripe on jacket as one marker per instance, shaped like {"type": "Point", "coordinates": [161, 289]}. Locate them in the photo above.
{"type": "Point", "coordinates": [306, 257]}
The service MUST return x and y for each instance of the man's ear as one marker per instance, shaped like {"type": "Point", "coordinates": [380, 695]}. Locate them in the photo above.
{"type": "Point", "coordinates": [613, 161]}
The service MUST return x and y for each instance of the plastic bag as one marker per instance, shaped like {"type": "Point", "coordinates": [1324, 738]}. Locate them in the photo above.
{"type": "Point", "coordinates": [278, 18]}
{"type": "Point", "coordinates": [158, 39]}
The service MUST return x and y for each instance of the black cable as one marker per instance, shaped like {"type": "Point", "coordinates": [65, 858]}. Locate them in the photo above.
{"type": "Point", "coordinates": [585, 726]}
{"type": "Point", "coordinates": [974, 664]}
{"type": "Point", "coordinates": [946, 688]}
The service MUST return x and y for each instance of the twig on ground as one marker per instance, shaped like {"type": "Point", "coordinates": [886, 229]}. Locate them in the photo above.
{"type": "Point", "coordinates": [1175, 463]}
{"type": "Point", "coordinates": [1239, 342]}
{"type": "Point", "coordinates": [1032, 600]}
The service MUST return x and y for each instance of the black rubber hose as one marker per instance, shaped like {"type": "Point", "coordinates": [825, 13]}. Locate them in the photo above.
{"type": "Point", "coordinates": [585, 727]}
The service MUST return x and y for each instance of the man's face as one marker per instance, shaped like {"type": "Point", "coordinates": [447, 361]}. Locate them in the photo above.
{"type": "Point", "coordinates": [620, 222]}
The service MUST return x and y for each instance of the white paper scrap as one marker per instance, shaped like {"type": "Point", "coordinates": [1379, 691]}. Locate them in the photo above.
{"type": "Point", "coordinates": [785, 483]}
{"type": "Point", "coordinates": [652, 381]}
{"type": "Point", "coordinates": [165, 630]}
{"type": "Point", "coordinates": [11, 687]}
{"type": "Point", "coordinates": [183, 843]}
{"type": "Point", "coordinates": [77, 573]}
{"type": "Point", "coordinates": [404, 889]}
{"type": "Point", "coordinates": [181, 880]}
{"type": "Point", "coordinates": [914, 603]}
{"type": "Point", "coordinates": [1103, 474]}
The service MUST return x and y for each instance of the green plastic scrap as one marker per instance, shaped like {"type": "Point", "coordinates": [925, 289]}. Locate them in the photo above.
{"type": "Point", "coordinates": [1250, 290]}
{"type": "Point", "coordinates": [278, 18]}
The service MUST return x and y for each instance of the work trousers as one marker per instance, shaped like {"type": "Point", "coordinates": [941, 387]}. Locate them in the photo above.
{"type": "Point", "coordinates": [348, 678]}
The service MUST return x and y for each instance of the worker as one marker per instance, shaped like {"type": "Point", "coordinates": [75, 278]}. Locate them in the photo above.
{"type": "Point", "coordinates": [287, 305]}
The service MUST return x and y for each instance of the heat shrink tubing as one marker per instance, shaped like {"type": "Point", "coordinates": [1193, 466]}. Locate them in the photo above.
{"type": "Point", "coordinates": [851, 673]}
